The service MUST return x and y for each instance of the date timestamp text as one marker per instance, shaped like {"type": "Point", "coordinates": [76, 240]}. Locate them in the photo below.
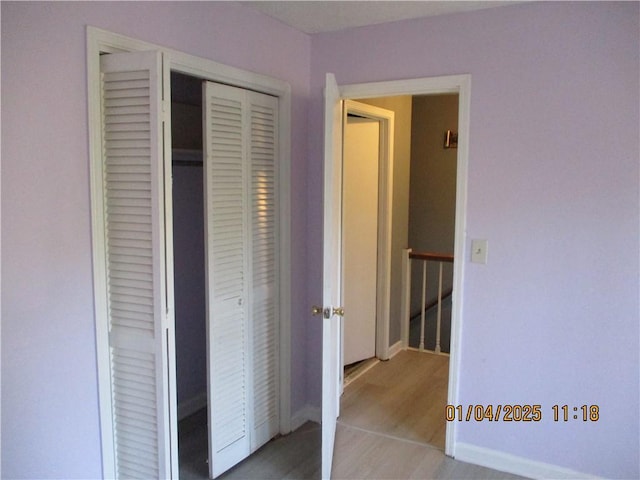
{"type": "Point", "coordinates": [520, 413]}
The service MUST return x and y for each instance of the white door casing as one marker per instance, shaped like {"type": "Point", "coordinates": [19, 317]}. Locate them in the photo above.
{"type": "Point", "coordinates": [332, 288]}
{"type": "Point", "coordinates": [460, 84]}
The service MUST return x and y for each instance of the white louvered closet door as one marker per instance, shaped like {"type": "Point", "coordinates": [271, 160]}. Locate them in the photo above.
{"type": "Point", "coordinates": [242, 305]}
{"type": "Point", "coordinates": [133, 214]}
{"type": "Point", "coordinates": [264, 226]}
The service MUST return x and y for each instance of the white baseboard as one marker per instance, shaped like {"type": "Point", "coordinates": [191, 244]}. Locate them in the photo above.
{"type": "Point", "coordinates": [308, 413]}
{"type": "Point", "coordinates": [395, 349]}
{"type": "Point", "coordinates": [191, 406]}
{"type": "Point", "coordinates": [505, 462]}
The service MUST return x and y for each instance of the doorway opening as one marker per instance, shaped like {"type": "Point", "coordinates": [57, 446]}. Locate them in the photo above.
{"type": "Point", "coordinates": [335, 95]}
{"type": "Point", "coordinates": [423, 215]}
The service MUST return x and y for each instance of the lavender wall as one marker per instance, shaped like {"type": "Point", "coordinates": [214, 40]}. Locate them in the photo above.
{"type": "Point", "coordinates": [49, 385]}
{"type": "Point", "coordinates": [553, 185]}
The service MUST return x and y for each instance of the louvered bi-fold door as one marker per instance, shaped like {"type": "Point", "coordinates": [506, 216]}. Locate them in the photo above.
{"type": "Point", "coordinates": [242, 305]}
{"type": "Point", "coordinates": [264, 288]}
{"type": "Point", "coordinates": [135, 254]}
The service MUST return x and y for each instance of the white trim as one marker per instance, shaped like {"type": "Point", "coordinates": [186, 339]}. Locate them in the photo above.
{"type": "Point", "coordinates": [191, 406]}
{"type": "Point", "coordinates": [460, 84]}
{"type": "Point", "coordinates": [189, 64]}
{"type": "Point", "coordinates": [417, 86]}
{"type": "Point", "coordinates": [464, 116]}
{"type": "Point", "coordinates": [386, 120]}
{"type": "Point", "coordinates": [284, 253]}
{"type": "Point", "coordinates": [98, 41]}
{"type": "Point", "coordinates": [395, 349]}
{"type": "Point", "coordinates": [505, 462]}
{"type": "Point", "coordinates": [167, 280]}
{"type": "Point", "coordinates": [0, 295]}
{"type": "Point", "coordinates": [308, 413]}
{"type": "Point", "coordinates": [99, 259]}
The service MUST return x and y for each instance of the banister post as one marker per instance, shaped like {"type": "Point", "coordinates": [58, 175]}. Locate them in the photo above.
{"type": "Point", "coordinates": [405, 302]}
{"type": "Point", "coordinates": [423, 304]}
{"type": "Point", "coordinates": [439, 315]}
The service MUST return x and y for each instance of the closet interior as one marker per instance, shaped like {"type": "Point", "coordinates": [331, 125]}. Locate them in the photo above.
{"type": "Point", "coordinates": [189, 272]}
{"type": "Point", "coordinates": [226, 273]}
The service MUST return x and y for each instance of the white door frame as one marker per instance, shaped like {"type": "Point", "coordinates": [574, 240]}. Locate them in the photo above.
{"type": "Point", "coordinates": [102, 41]}
{"type": "Point", "coordinates": [460, 84]}
{"type": "Point", "coordinates": [386, 119]}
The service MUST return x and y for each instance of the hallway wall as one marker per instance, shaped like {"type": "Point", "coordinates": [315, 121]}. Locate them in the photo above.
{"type": "Point", "coordinates": [432, 196]}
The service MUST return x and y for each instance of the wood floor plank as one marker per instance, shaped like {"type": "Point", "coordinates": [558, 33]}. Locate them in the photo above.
{"type": "Point", "coordinates": [404, 397]}
{"type": "Point", "coordinates": [361, 454]}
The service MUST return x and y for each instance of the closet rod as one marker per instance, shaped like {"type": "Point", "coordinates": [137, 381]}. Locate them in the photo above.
{"type": "Point", "coordinates": [187, 163]}
{"type": "Point", "coordinates": [186, 157]}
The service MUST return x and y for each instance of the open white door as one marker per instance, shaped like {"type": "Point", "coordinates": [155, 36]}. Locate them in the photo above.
{"type": "Point", "coordinates": [132, 288]}
{"type": "Point", "coordinates": [226, 230]}
{"type": "Point", "coordinates": [361, 158]}
{"type": "Point", "coordinates": [331, 288]}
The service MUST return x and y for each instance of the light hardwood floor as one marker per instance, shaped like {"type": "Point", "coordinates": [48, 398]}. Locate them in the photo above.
{"type": "Point", "coordinates": [364, 455]}
{"type": "Point", "coordinates": [404, 397]}
{"type": "Point", "coordinates": [294, 456]}
{"type": "Point", "coordinates": [391, 426]}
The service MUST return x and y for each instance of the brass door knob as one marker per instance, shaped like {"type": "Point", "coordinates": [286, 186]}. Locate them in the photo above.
{"type": "Point", "coordinates": [326, 312]}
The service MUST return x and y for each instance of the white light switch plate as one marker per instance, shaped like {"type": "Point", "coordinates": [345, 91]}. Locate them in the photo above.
{"type": "Point", "coordinates": [479, 251]}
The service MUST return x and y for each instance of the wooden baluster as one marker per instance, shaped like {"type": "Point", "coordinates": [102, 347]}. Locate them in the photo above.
{"type": "Point", "coordinates": [439, 317]}
{"type": "Point", "coordinates": [405, 306]}
{"type": "Point", "coordinates": [423, 304]}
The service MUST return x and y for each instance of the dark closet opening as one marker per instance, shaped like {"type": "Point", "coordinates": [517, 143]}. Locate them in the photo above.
{"type": "Point", "coordinates": [189, 274]}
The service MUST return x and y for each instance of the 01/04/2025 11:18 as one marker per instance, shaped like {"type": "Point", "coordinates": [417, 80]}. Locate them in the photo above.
{"type": "Point", "coordinates": [520, 413]}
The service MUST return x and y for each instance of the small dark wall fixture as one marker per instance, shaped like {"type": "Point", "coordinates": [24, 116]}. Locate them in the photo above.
{"type": "Point", "coordinates": [450, 139]}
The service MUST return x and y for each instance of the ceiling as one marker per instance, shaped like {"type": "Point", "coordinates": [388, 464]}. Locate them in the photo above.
{"type": "Point", "coordinates": [328, 16]}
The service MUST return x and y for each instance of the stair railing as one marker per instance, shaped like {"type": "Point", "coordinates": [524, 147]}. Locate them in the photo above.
{"type": "Point", "coordinates": [408, 256]}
